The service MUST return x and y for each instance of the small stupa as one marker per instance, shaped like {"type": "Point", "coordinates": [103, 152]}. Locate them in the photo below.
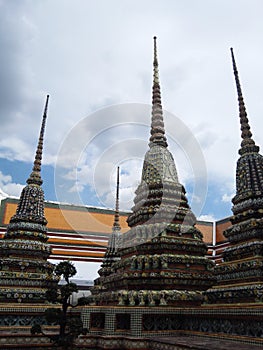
{"type": "Point", "coordinates": [112, 253]}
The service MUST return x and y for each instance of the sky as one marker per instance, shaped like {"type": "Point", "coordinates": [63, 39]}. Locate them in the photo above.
{"type": "Point", "coordinates": [94, 59]}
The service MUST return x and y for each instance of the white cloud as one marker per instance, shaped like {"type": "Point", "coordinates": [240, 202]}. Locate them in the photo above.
{"type": "Point", "coordinates": [227, 197]}
{"type": "Point", "coordinates": [207, 217]}
{"type": "Point", "coordinates": [97, 57]}
{"type": "Point", "coordinates": [5, 178]}
{"type": "Point", "coordinates": [19, 150]}
{"type": "Point", "coordinates": [196, 199]}
{"type": "Point", "coordinates": [77, 187]}
{"type": "Point", "coordinates": [9, 188]}
{"type": "Point", "coordinates": [3, 195]}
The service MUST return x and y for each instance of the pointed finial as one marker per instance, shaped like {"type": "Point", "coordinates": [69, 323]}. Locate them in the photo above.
{"type": "Point", "coordinates": [35, 176]}
{"type": "Point", "coordinates": [245, 128]}
{"type": "Point", "coordinates": [155, 61]}
{"type": "Point", "coordinates": [157, 125]}
{"type": "Point", "coordinates": [116, 223]}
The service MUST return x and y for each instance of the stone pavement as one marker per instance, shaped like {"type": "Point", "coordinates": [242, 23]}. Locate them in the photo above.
{"type": "Point", "coordinates": [204, 343]}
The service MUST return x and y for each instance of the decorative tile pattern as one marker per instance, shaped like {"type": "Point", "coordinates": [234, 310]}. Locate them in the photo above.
{"type": "Point", "coordinates": [145, 322]}
{"type": "Point", "coordinates": [240, 277]}
{"type": "Point", "coordinates": [25, 274]}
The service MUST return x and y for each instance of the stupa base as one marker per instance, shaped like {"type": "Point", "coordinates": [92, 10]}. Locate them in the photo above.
{"type": "Point", "coordinates": [229, 321]}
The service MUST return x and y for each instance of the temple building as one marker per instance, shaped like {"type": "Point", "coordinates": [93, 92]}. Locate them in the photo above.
{"type": "Point", "coordinates": [81, 232]}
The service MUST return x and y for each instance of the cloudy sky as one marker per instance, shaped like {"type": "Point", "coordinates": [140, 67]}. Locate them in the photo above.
{"type": "Point", "coordinates": [94, 58]}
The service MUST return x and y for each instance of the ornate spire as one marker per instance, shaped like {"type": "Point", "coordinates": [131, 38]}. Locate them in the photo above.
{"type": "Point", "coordinates": [35, 176]}
{"type": "Point", "coordinates": [114, 239]}
{"type": "Point", "coordinates": [31, 203]}
{"type": "Point", "coordinates": [116, 223]}
{"type": "Point", "coordinates": [112, 252]}
{"type": "Point", "coordinates": [157, 125]}
{"type": "Point", "coordinates": [249, 174]}
{"type": "Point", "coordinates": [239, 278]}
{"type": "Point", "coordinates": [247, 144]}
{"type": "Point", "coordinates": [159, 197]}
{"type": "Point", "coordinates": [24, 249]}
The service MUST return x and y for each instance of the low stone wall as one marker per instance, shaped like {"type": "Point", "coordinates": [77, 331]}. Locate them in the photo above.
{"type": "Point", "coordinates": [20, 317]}
{"type": "Point", "coordinates": [24, 341]}
{"type": "Point", "coordinates": [242, 323]}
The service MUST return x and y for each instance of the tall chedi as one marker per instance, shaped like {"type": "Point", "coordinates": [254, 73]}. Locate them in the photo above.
{"type": "Point", "coordinates": [162, 258]}
{"type": "Point", "coordinates": [240, 276]}
{"type": "Point", "coordinates": [25, 273]}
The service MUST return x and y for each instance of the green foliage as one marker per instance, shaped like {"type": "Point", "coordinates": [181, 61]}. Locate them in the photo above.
{"type": "Point", "coordinates": [84, 331]}
{"type": "Point", "coordinates": [65, 269]}
{"type": "Point", "coordinates": [75, 326]}
{"type": "Point", "coordinates": [65, 342]}
{"type": "Point", "coordinates": [83, 301]}
{"type": "Point", "coordinates": [52, 295]}
{"type": "Point", "coordinates": [53, 315]}
{"type": "Point", "coordinates": [36, 329]}
{"type": "Point", "coordinates": [67, 290]}
{"type": "Point", "coordinates": [70, 327]}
